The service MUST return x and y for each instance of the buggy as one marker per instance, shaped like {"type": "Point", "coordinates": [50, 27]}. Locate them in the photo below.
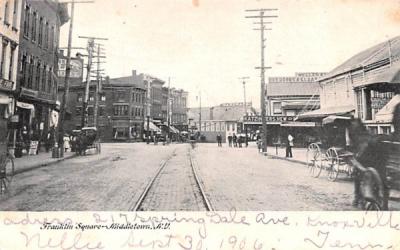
{"type": "Point", "coordinates": [87, 139]}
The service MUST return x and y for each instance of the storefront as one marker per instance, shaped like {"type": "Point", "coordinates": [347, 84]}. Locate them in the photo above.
{"type": "Point", "coordinates": [278, 128]}
{"type": "Point", "coordinates": [34, 109]}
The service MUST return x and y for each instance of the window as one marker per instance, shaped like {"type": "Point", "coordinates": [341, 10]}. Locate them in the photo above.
{"type": "Point", "coordinates": [360, 105]}
{"type": "Point", "coordinates": [50, 80]}
{"type": "Point", "coordinates": [34, 23]}
{"type": "Point", "coordinates": [7, 13]}
{"type": "Point", "coordinates": [101, 111]}
{"type": "Point", "coordinates": [23, 69]}
{"type": "Point", "coordinates": [37, 79]}
{"type": "Point", "coordinates": [27, 17]}
{"type": "Point", "coordinates": [90, 111]}
{"type": "Point", "coordinates": [43, 80]}
{"type": "Point", "coordinates": [52, 44]}
{"type": "Point", "coordinates": [91, 96]}
{"type": "Point", "coordinates": [3, 58]}
{"type": "Point", "coordinates": [79, 97]}
{"type": "Point", "coordinates": [277, 108]}
{"type": "Point", "coordinates": [121, 110]}
{"type": "Point", "coordinates": [103, 97]}
{"type": "Point", "coordinates": [120, 96]}
{"type": "Point", "coordinates": [12, 56]}
{"type": "Point", "coordinates": [30, 72]}
{"type": "Point", "coordinates": [46, 36]}
{"type": "Point", "coordinates": [78, 111]}
{"type": "Point", "coordinates": [40, 39]}
{"type": "Point", "coordinates": [15, 14]}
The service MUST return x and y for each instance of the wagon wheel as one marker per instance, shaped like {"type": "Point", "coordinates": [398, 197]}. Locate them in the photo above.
{"type": "Point", "coordinates": [6, 173]}
{"type": "Point", "coordinates": [314, 160]}
{"type": "Point", "coordinates": [332, 158]}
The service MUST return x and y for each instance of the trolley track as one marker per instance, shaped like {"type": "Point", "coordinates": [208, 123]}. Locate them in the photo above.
{"type": "Point", "coordinates": [150, 187]}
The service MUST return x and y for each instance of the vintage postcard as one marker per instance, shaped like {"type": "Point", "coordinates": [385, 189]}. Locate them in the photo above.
{"type": "Point", "coordinates": [199, 124]}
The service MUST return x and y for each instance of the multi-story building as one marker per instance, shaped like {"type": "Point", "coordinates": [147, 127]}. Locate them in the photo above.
{"type": "Point", "coordinates": [287, 97]}
{"type": "Point", "coordinates": [10, 17]}
{"type": "Point", "coordinates": [38, 61]}
{"type": "Point", "coordinates": [366, 86]}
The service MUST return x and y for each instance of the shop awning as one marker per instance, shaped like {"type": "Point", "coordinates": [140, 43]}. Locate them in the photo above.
{"type": "Point", "coordinates": [24, 105]}
{"type": "Point", "coordinates": [333, 118]}
{"type": "Point", "coordinates": [5, 99]}
{"type": "Point", "coordinates": [322, 113]}
{"type": "Point", "coordinates": [174, 130]}
{"type": "Point", "coordinates": [152, 127]}
{"type": "Point", "coordinates": [386, 113]}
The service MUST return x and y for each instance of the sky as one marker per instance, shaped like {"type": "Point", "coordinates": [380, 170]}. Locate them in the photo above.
{"type": "Point", "coordinates": [204, 46]}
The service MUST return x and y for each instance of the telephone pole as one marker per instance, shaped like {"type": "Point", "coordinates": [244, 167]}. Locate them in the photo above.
{"type": "Point", "coordinates": [65, 96]}
{"type": "Point", "coordinates": [98, 85]}
{"type": "Point", "coordinates": [148, 98]}
{"type": "Point", "coordinates": [169, 111]}
{"type": "Point", "coordinates": [200, 113]}
{"type": "Point", "coordinates": [90, 50]}
{"type": "Point", "coordinates": [261, 16]}
{"type": "Point", "coordinates": [245, 106]}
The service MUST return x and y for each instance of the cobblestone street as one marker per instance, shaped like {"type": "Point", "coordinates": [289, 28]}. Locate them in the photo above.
{"type": "Point", "coordinates": [237, 178]}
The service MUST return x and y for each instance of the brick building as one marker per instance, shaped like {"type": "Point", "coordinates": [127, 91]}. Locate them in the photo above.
{"type": "Point", "coordinates": [38, 61]}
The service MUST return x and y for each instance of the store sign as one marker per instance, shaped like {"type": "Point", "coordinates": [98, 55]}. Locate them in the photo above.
{"type": "Point", "coordinates": [379, 103]}
{"type": "Point", "coordinates": [29, 93]}
{"type": "Point", "coordinates": [76, 68]}
{"type": "Point", "coordinates": [45, 96]}
{"type": "Point", "coordinates": [6, 84]}
{"type": "Point", "coordinates": [257, 119]}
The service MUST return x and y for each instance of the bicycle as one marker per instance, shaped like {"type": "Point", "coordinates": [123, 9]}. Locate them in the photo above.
{"type": "Point", "coordinates": [7, 171]}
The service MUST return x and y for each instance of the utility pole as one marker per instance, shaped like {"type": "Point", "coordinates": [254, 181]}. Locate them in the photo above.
{"type": "Point", "coordinates": [148, 112]}
{"type": "Point", "coordinates": [63, 107]}
{"type": "Point", "coordinates": [263, 93]}
{"type": "Point", "coordinates": [200, 112]}
{"type": "Point", "coordinates": [169, 107]}
{"type": "Point", "coordinates": [245, 107]}
{"type": "Point", "coordinates": [98, 86]}
{"type": "Point", "coordinates": [90, 49]}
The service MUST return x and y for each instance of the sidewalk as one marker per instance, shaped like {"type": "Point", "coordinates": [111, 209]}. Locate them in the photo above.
{"type": "Point", "coordinates": [299, 154]}
{"type": "Point", "coordinates": [30, 162]}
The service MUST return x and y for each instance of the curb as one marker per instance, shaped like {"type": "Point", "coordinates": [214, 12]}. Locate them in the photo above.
{"type": "Point", "coordinates": [23, 170]}
{"type": "Point", "coordinates": [288, 159]}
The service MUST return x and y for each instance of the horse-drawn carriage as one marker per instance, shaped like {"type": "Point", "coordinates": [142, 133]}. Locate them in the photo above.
{"type": "Point", "coordinates": [86, 139]}
{"type": "Point", "coordinates": [336, 158]}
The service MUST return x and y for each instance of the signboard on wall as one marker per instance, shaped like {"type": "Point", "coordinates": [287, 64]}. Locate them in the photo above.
{"type": "Point", "coordinates": [76, 68]}
{"type": "Point", "coordinates": [270, 118]}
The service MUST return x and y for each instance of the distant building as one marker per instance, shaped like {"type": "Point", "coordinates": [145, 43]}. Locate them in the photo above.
{"type": "Point", "coordinates": [226, 119]}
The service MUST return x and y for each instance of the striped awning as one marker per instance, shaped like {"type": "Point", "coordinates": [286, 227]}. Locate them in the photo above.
{"type": "Point", "coordinates": [152, 127]}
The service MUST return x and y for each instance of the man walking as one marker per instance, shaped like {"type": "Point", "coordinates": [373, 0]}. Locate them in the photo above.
{"type": "Point", "coordinates": [234, 138]}
{"type": "Point", "coordinates": [219, 140]}
{"type": "Point", "coordinates": [230, 140]}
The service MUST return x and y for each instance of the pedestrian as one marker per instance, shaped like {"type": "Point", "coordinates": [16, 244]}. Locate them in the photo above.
{"type": "Point", "coordinates": [218, 139]}
{"type": "Point", "coordinates": [260, 145]}
{"type": "Point", "coordinates": [230, 140]}
{"type": "Point", "coordinates": [240, 139]}
{"type": "Point", "coordinates": [289, 146]}
{"type": "Point", "coordinates": [234, 139]}
{"type": "Point", "coordinates": [67, 145]}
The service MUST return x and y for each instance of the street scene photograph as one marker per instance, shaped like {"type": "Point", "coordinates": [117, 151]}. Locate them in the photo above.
{"type": "Point", "coordinates": [199, 105]}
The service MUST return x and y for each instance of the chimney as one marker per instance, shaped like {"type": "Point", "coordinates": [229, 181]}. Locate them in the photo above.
{"type": "Point", "coordinates": [107, 80]}
{"type": "Point", "coordinates": [134, 73]}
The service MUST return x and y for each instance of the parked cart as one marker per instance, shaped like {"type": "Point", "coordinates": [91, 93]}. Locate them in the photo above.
{"type": "Point", "coordinates": [87, 139]}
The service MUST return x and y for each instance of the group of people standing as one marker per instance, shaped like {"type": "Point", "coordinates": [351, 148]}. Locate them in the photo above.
{"type": "Point", "coordinates": [236, 141]}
